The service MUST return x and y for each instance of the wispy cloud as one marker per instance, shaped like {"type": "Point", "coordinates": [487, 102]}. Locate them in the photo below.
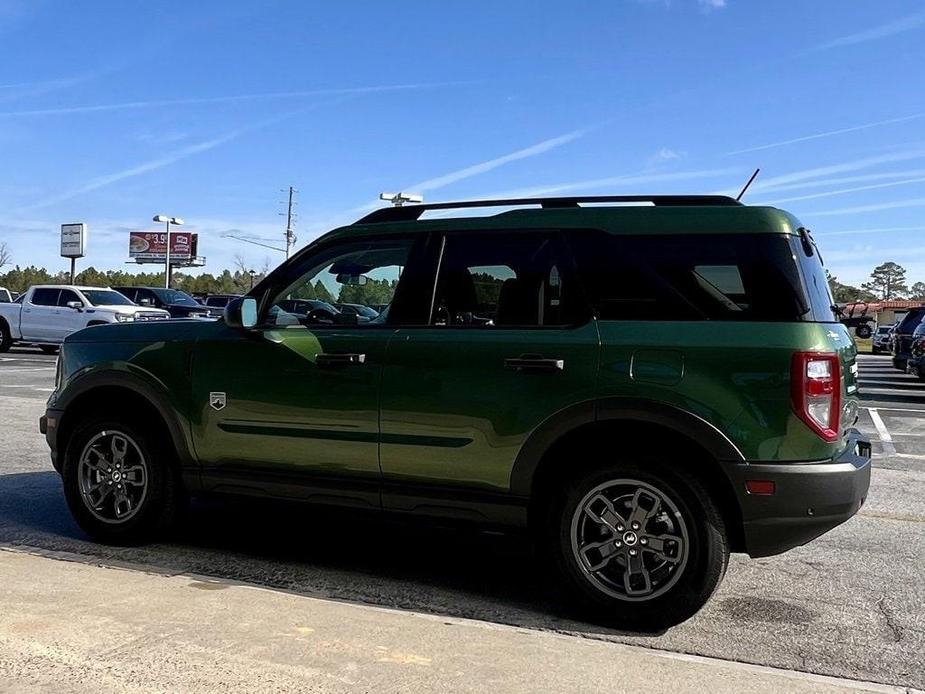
{"type": "Point", "coordinates": [843, 191]}
{"type": "Point", "coordinates": [899, 26]}
{"type": "Point", "coordinates": [167, 159]}
{"type": "Point", "coordinates": [709, 5]}
{"type": "Point", "coordinates": [877, 207]}
{"type": "Point", "coordinates": [827, 133]}
{"type": "Point", "coordinates": [191, 101]}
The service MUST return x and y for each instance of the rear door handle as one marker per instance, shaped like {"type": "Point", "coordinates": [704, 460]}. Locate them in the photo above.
{"type": "Point", "coordinates": [337, 360]}
{"type": "Point", "coordinates": [530, 364]}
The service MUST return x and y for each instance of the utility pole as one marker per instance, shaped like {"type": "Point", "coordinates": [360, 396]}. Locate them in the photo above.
{"type": "Point", "coordinates": [290, 218]}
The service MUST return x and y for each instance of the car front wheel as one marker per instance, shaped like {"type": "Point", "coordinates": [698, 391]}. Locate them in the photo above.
{"type": "Point", "coordinates": [119, 485]}
{"type": "Point", "coordinates": [641, 547]}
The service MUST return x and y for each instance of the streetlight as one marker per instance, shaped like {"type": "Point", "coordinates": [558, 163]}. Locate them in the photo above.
{"type": "Point", "coordinates": [176, 221]}
{"type": "Point", "coordinates": [252, 273]}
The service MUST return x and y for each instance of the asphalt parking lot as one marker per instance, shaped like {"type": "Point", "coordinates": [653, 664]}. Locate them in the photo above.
{"type": "Point", "coordinates": [851, 604]}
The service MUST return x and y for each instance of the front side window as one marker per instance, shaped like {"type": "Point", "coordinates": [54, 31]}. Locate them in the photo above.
{"type": "Point", "coordinates": [67, 296]}
{"type": "Point", "coordinates": [364, 273]}
{"type": "Point", "coordinates": [494, 280]}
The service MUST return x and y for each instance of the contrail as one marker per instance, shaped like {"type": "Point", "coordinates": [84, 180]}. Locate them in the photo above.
{"type": "Point", "coordinates": [828, 133]}
{"type": "Point", "coordinates": [166, 160]}
{"type": "Point", "coordinates": [476, 169]}
{"type": "Point", "coordinates": [899, 26]}
{"type": "Point", "coordinates": [842, 191]}
{"type": "Point", "coordinates": [346, 91]}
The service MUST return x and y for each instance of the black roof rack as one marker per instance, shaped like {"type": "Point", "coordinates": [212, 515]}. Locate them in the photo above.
{"type": "Point", "coordinates": [409, 213]}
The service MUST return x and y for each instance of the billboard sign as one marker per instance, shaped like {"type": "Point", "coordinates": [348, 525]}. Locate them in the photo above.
{"type": "Point", "coordinates": [73, 240]}
{"type": "Point", "coordinates": [151, 246]}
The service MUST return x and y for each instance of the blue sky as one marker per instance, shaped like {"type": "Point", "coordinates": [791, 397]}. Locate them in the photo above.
{"type": "Point", "coordinates": [113, 111]}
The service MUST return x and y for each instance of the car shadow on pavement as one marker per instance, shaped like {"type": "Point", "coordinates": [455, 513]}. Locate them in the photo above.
{"type": "Point", "coordinates": [444, 570]}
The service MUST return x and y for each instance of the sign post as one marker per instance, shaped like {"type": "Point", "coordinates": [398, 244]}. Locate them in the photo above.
{"type": "Point", "coordinates": [73, 243]}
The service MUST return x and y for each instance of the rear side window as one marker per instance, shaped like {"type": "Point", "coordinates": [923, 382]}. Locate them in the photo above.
{"type": "Point", "coordinates": [45, 297]}
{"type": "Point", "coordinates": [690, 277]}
{"type": "Point", "coordinates": [494, 279]}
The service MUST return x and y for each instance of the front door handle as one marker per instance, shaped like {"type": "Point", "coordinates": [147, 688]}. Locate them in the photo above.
{"type": "Point", "coordinates": [325, 360]}
{"type": "Point", "coordinates": [532, 364]}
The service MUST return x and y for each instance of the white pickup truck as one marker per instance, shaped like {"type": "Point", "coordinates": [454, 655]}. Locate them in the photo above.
{"type": "Point", "coordinates": [46, 314]}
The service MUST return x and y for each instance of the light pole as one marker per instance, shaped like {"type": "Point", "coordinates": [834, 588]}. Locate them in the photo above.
{"type": "Point", "coordinates": [176, 221]}
{"type": "Point", "coordinates": [252, 273]}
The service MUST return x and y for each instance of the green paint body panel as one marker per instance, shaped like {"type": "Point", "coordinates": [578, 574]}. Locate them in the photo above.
{"type": "Point", "coordinates": [436, 407]}
{"type": "Point", "coordinates": [454, 384]}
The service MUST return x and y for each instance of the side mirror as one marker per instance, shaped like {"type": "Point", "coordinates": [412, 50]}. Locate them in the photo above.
{"type": "Point", "coordinates": [241, 313]}
{"type": "Point", "coordinates": [76, 305]}
{"type": "Point", "coordinates": [144, 302]}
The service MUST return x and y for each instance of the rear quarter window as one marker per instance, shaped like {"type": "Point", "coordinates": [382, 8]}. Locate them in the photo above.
{"type": "Point", "coordinates": [818, 291]}
{"type": "Point", "coordinates": [690, 277]}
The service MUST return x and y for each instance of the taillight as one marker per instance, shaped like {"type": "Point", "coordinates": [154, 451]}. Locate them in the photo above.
{"type": "Point", "coordinates": [816, 392]}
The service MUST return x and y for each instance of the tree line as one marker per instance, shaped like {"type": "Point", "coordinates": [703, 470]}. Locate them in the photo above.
{"type": "Point", "coordinates": [373, 293]}
{"type": "Point", "coordinates": [887, 281]}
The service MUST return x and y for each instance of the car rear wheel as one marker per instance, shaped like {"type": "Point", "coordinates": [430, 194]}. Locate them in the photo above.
{"type": "Point", "coordinates": [119, 484]}
{"type": "Point", "coordinates": [640, 546]}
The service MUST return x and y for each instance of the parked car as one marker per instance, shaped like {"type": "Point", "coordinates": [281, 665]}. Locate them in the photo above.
{"type": "Point", "coordinates": [915, 363]}
{"type": "Point", "coordinates": [216, 303]}
{"type": "Point", "coordinates": [5, 296]}
{"type": "Point", "coordinates": [178, 304]}
{"type": "Point", "coordinates": [902, 336]}
{"type": "Point", "coordinates": [504, 387]}
{"type": "Point", "coordinates": [363, 313]}
{"type": "Point", "coordinates": [46, 314]}
{"type": "Point", "coordinates": [882, 339]}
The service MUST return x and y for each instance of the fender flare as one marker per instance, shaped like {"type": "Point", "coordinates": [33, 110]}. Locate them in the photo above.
{"type": "Point", "coordinates": [714, 441]}
{"type": "Point", "coordinates": [155, 396]}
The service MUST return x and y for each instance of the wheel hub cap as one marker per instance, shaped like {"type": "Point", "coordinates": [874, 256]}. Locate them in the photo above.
{"type": "Point", "coordinates": [112, 476]}
{"type": "Point", "coordinates": [630, 539]}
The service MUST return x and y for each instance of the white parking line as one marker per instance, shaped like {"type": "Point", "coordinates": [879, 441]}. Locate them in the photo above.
{"type": "Point", "coordinates": [885, 439]}
{"type": "Point", "coordinates": [27, 369]}
{"type": "Point", "coordinates": [41, 390]}
{"type": "Point", "coordinates": [897, 409]}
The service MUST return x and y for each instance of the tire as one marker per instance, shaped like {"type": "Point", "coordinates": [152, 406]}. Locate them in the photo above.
{"type": "Point", "coordinates": [152, 506]}
{"type": "Point", "coordinates": [49, 349]}
{"type": "Point", "coordinates": [863, 331]}
{"type": "Point", "coordinates": [6, 339]}
{"type": "Point", "coordinates": [680, 580]}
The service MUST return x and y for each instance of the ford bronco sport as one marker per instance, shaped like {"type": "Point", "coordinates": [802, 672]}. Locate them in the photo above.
{"type": "Point", "coordinates": [647, 387]}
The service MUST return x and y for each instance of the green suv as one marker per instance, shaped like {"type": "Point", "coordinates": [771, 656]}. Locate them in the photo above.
{"type": "Point", "coordinates": [647, 387]}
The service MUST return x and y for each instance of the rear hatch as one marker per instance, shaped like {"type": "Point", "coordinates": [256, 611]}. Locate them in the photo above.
{"type": "Point", "coordinates": [837, 338]}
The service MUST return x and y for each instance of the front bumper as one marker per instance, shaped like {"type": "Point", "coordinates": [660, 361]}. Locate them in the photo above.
{"type": "Point", "coordinates": [48, 425]}
{"type": "Point", "coordinates": [809, 498]}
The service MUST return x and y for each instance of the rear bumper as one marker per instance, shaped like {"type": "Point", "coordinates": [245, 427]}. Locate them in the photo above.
{"type": "Point", "coordinates": [809, 498]}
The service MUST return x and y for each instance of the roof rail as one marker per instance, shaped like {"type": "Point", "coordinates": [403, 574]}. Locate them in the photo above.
{"type": "Point", "coordinates": [409, 213]}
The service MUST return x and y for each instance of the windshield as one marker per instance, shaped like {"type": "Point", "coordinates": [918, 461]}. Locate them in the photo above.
{"type": "Point", "coordinates": [105, 297]}
{"type": "Point", "coordinates": [176, 297]}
